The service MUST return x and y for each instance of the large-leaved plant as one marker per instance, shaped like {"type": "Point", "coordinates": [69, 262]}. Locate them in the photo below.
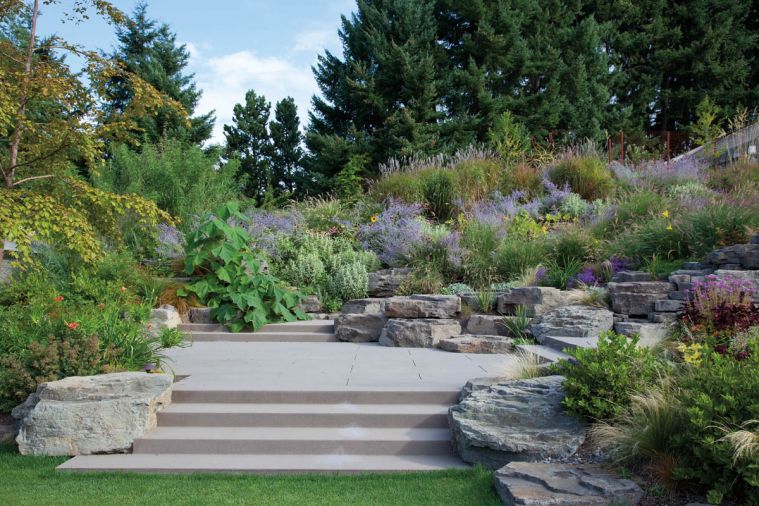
{"type": "Point", "coordinates": [235, 281]}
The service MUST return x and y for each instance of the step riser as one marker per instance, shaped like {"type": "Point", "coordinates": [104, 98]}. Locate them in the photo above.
{"type": "Point", "coordinates": [290, 447]}
{"type": "Point", "coordinates": [443, 397]}
{"type": "Point", "coordinates": [277, 328]}
{"type": "Point", "coordinates": [301, 420]}
{"type": "Point", "coordinates": [262, 337]}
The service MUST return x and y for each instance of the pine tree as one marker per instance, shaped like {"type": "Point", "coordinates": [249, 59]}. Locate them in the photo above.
{"type": "Point", "coordinates": [150, 50]}
{"type": "Point", "coordinates": [247, 140]}
{"type": "Point", "coordinates": [287, 152]}
{"type": "Point", "coordinates": [382, 98]}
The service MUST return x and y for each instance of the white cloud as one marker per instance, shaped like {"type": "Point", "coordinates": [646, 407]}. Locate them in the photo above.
{"type": "Point", "coordinates": [315, 41]}
{"type": "Point", "coordinates": [225, 79]}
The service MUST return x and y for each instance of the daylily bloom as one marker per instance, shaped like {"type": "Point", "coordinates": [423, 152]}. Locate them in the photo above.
{"type": "Point", "coordinates": [669, 227]}
{"type": "Point", "coordinates": [59, 298]}
{"type": "Point", "coordinates": [665, 213]}
{"type": "Point", "coordinates": [73, 325]}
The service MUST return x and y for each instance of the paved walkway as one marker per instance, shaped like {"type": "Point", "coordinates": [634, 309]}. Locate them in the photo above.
{"type": "Point", "coordinates": [320, 366]}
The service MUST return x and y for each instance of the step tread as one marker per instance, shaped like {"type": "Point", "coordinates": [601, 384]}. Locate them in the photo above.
{"type": "Point", "coordinates": [297, 434]}
{"type": "Point", "coordinates": [561, 342]}
{"type": "Point", "coordinates": [339, 463]}
{"type": "Point", "coordinates": [546, 352]}
{"type": "Point", "coordinates": [341, 408]}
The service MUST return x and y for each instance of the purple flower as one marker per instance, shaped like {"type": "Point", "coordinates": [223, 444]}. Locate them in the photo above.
{"type": "Point", "coordinates": [661, 172]}
{"type": "Point", "coordinates": [619, 264]}
{"type": "Point", "coordinates": [265, 228]}
{"type": "Point", "coordinates": [556, 196]}
{"type": "Point", "coordinates": [170, 242]}
{"type": "Point", "coordinates": [586, 277]}
{"type": "Point", "coordinates": [395, 234]}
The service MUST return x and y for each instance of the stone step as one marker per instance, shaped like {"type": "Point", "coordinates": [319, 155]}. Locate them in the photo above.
{"type": "Point", "coordinates": [262, 464]}
{"type": "Point", "coordinates": [544, 353]}
{"type": "Point", "coordinates": [441, 396]}
{"type": "Point", "coordinates": [304, 415]}
{"type": "Point", "coordinates": [294, 441]}
{"type": "Point", "coordinates": [561, 343]}
{"type": "Point", "coordinates": [257, 337]}
{"type": "Point", "coordinates": [325, 326]}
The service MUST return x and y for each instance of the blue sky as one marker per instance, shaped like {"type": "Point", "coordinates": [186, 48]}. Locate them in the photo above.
{"type": "Point", "coordinates": [236, 45]}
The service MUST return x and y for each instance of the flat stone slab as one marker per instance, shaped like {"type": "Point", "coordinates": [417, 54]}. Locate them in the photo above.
{"type": "Point", "coordinates": [361, 306]}
{"type": "Point", "coordinates": [557, 484]}
{"type": "Point", "coordinates": [477, 344]}
{"type": "Point", "coordinates": [423, 306]}
{"type": "Point", "coordinates": [572, 321]}
{"type": "Point", "coordinates": [418, 332]}
{"type": "Point", "coordinates": [487, 324]}
{"type": "Point", "coordinates": [359, 328]}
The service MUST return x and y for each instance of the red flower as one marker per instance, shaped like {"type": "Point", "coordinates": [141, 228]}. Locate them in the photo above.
{"type": "Point", "coordinates": [59, 298]}
{"type": "Point", "coordinates": [73, 325]}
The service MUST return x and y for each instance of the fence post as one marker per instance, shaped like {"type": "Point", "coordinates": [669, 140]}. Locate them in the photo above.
{"type": "Point", "coordinates": [608, 147]}
{"type": "Point", "coordinates": [669, 148]}
{"type": "Point", "coordinates": [622, 145]}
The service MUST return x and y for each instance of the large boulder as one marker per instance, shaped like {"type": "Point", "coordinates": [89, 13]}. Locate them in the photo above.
{"type": "Point", "coordinates": [535, 300]}
{"type": "Point", "coordinates": [519, 420]}
{"type": "Point", "coordinates": [477, 344]}
{"type": "Point", "coordinates": [487, 324]}
{"type": "Point", "coordinates": [361, 306]}
{"type": "Point", "coordinates": [418, 332]}
{"type": "Point", "coordinates": [359, 328]}
{"type": "Point", "coordinates": [743, 256]}
{"type": "Point", "coordinates": [386, 282]}
{"type": "Point", "coordinates": [557, 484]}
{"type": "Point", "coordinates": [649, 334]}
{"type": "Point", "coordinates": [81, 415]}
{"type": "Point", "coordinates": [7, 428]}
{"type": "Point", "coordinates": [311, 304]}
{"type": "Point", "coordinates": [423, 306]}
{"type": "Point", "coordinates": [751, 276]}
{"type": "Point", "coordinates": [572, 321]}
{"type": "Point", "coordinates": [200, 315]}
{"type": "Point", "coordinates": [637, 298]}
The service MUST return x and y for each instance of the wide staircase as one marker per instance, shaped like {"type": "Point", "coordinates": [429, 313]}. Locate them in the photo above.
{"type": "Point", "coordinates": [322, 430]}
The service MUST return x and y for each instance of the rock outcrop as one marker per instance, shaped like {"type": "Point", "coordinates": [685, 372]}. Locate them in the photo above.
{"type": "Point", "coordinates": [418, 332]}
{"type": "Point", "coordinates": [518, 420]}
{"type": "Point", "coordinates": [477, 344]}
{"type": "Point", "coordinates": [81, 415]}
{"type": "Point", "coordinates": [386, 282]}
{"type": "Point", "coordinates": [360, 327]}
{"type": "Point", "coordinates": [423, 306]}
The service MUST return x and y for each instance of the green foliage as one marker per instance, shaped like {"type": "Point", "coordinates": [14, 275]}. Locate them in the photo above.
{"type": "Point", "coordinates": [170, 338]}
{"type": "Point", "coordinates": [588, 176]}
{"type": "Point", "coordinates": [287, 153]}
{"type": "Point", "coordinates": [439, 190]}
{"type": "Point", "coordinates": [719, 225]}
{"type": "Point", "coordinates": [517, 325]}
{"type": "Point", "coordinates": [62, 318]}
{"type": "Point", "coordinates": [600, 383]}
{"type": "Point", "coordinates": [706, 128]}
{"type": "Point", "coordinates": [349, 281]}
{"type": "Point", "coordinates": [182, 180]}
{"type": "Point", "coordinates": [456, 289]}
{"type": "Point", "coordinates": [571, 246]}
{"type": "Point", "coordinates": [348, 180]}
{"type": "Point", "coordinates": [305, 271]}
{"type": "Point", "coordinates": [514, 256]}
{"type": "Point", "coordinates": [719, 395]}
{"type": "Point", "coordinates": [74, 216]}
{"type": "Point", "coordinates": [422, 280]}
{"type": "Point", "coordinates": [234, 282]}
{"type": "Point", "coordinates": [508, 138]}
{"type": "Point", "coordinates": [559, 274]}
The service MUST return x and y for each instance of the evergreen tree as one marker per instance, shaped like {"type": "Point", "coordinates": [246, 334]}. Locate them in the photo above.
{"type": "Point", "coordinates": [247, 140]}
{"type": "Point", "coordinates": [287, 152]}
{"type": "Point", "coordinates": [382, 98]}
{"type": "Point", "coordinates": [150, 50]}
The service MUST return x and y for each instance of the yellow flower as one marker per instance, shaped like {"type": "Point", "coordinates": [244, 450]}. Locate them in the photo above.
{"type": "Point", "coordinates": [691, 353]}
{"type": "Point", "coordinates": [669, 227]}
{"type": "Point", "coordinates": [665, 213]}
{"type": "Point", "coordinates": [373, 219]}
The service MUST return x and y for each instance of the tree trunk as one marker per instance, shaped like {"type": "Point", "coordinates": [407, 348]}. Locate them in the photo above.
{"type": "Point", "coordinates": [16, 140]}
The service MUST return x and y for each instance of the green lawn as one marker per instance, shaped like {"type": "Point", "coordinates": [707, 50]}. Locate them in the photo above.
{"type": "Point", "coordinates": [34, 481]}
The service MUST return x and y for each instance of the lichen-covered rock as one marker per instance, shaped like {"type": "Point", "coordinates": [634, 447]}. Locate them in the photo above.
{"type": "Point", "coordinates": [572, 321]}
{"type": "Point", "coordinates": [311, 304]}
{"type": "Point", "coordinates": [745, 256]}
{"type": "Point", "coordinates": [423, 306]}
{"type": "Point", "coordinates": [477, 344]}
{"type": "Point", "coordinates": [535, 299]}
{"type": "Point", "coordinates": [386, 282]}
{"type": "Point", "coordinates": [558, 484]}
{"type": "Point", "coordinates": [487, 324]}
{"type": "Point", "coordinates": [518, 420]}
{"type": "Point", "coordinates": [649, 334]}
{"type": "Point", "coordinates": [637, 298]}
{"type": "Point", "coordinates": [361, 306]}
{"type": "Point", "coordinates": [628, 276]}
{"type": "Point", "coordinates": [418, 332]}
{"type": "Point", "coordinates": [359, 328]}
{"type": "Point", "coordinates": [81, 415]}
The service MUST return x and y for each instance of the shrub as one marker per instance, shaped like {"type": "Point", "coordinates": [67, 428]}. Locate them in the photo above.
{"type": "Point", "coordinates": [719, 395]}
{"type": "Point", "coordinates": [571, 246]}
{"type": "Point", "coordinates": [509, 138]}
{"type": "Point", "coordinates": [602, 381]}
{"type": "Point", "coordinates": [720, 304]}
{"type": "Point", "coordinates": [183, 180]}
{"type": "Point", "coordinates": [422, 281]}
{"type": "Point", "coordinates": [234, 284]}
{"type": "Point", "coordinates": [439, 192]}
{"type": "Point", "coordinates": [664, 238]}
{"type": "Point", "coordinates": [305, 271]}
{"type": "Point", "coordinates": [394, 233]}
{"type": "Point", "coordinates": [719, 225]}
{"type": "Point", "coordinates": [587, 175]}
{"type": "Point", "coordinates": [523, 177]}
{"type": "Point", "coordinates": [350, 281]}
{"type": "Point", "coordinates": [514, 256]}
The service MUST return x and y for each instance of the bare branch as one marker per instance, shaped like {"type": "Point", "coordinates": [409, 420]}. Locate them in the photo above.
{"type": "Point", "coordinates": [31, 178]}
